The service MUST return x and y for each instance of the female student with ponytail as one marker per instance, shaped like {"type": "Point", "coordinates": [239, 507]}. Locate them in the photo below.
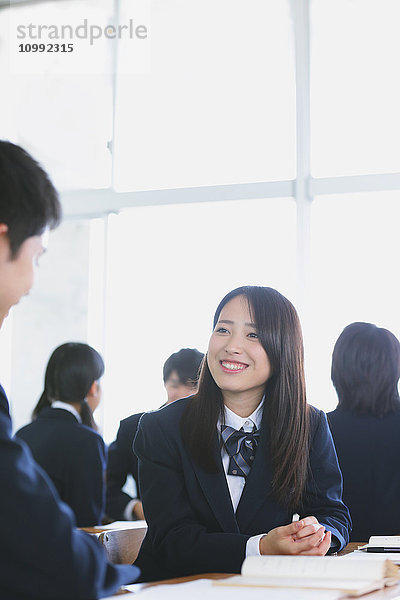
{"type": "Point", "coordinates": [223, 472]}
{"type": "Point", "coordinates": [63, 436]}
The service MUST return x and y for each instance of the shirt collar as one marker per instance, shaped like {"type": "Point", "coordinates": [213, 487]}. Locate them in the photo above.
{"type": "Point", "coordinates": [233, 420]}
{"type": "Point", "coordinates": [68, 407]}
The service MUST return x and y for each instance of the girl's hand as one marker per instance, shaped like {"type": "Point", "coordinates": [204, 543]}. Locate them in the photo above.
{"type": "Point", "coordinates": [305, 537]}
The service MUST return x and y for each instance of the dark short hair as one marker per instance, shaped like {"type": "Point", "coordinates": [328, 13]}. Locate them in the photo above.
{"type": "Point", "coordinates": [28, 200]}
{"type": "Point", "coordinates": [186, 363]}
{"type": "Point", "coordinates": [366, 369]}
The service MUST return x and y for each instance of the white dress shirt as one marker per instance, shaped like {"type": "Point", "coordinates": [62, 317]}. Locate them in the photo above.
{"type": "Point", "coordinates": [68, 407]}
{"type": "Point", "coordinates": [128, 512]}
{"type": "Point", "coordinates": [235, 482]}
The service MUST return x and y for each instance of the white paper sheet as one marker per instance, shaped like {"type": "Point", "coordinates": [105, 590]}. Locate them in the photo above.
{"type": "Point", "coordinates": [393, 556]}
{"type": "Point", "coordinates": [122, 525]}
{"type": "Point", "coordinates": [201, 588]}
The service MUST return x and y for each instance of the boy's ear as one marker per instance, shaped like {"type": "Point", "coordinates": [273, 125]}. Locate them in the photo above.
{"type": "Point", "coordinates": [5, 249]}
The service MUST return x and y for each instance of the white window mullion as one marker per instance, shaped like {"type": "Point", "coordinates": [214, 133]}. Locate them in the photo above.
{"type": "Point", "coordinates": [300, 11]}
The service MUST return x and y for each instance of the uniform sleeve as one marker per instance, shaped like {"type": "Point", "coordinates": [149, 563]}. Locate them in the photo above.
{"type": "Point", "coordinates": [179, 540]}
{"type": "Point", "coordinates": [118, 469]}
{"type": "Point", "coordinates": [323, 497]}
{"type": "Point", "coordinates": [42, 554]}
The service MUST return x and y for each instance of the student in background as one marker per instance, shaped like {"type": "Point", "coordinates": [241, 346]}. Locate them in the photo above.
{"type": "Point", "coordinates": [180, 375]}
{"type": "Point", "coordinates": [223, 472]}
{"type": "Point", "coordinates": [366, 427]}
{"type": "Point", "coordinates": [42, 555]}
{"type": "Point", "coordinates": [62, 438]}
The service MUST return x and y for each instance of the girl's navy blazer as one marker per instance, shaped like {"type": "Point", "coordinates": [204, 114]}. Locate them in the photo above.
{"type": "Point", "coordinates": [192, 527]}
{"type": "Point", "coordinates": [74, 457]}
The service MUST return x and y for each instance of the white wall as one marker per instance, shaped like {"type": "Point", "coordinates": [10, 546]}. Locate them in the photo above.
{"type": "Point", "coordinates": [56, 311]}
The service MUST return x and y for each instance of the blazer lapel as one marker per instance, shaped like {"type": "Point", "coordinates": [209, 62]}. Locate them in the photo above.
{"type": "Point", "coordinates": [215, 489]}
{"type": "Point", "coordinates": [258, 487]}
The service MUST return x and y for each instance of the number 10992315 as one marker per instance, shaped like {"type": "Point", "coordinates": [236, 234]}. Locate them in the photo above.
{"type": "Point", "coordinates": [45, 48]}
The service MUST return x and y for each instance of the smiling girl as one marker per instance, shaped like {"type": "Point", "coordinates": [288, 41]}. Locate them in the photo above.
{"type": "Point", "coordinates": [223, 472]}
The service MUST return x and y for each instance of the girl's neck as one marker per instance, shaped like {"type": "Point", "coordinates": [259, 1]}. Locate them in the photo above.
{"type": "Point", "coordinates": [242, 405]}
{"type": "Point", "coordinates": [76, 405]}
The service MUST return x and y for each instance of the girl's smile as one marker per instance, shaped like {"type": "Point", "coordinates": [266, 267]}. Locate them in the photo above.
{"type": "Point", "coordinates": [232, 366]}
{"type": "Point", "coordinates": [236, 359]}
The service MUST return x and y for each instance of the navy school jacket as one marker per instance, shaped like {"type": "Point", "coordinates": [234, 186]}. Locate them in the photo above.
{"type": "Point", "coordinates": [191, 524]}
{"type": "Point", "coordinates": [368, 450]}
{"type": "Point", "coordinates": [74, 457]}
{"type": "Point", "coordinates": [42, 555]}
{"type": "Point", "coordinates": [121, 462]}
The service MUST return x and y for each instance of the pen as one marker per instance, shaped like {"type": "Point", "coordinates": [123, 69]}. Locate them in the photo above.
{"type": "Point", "coordinates": [381, 549]}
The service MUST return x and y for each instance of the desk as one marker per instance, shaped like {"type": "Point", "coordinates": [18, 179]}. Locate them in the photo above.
{"type": "Point", "coordinates": [390, 593]}
{"type": "Point", "coordinates": [351, 547]}
{"type": "Point", "coordinates": [141, 525]}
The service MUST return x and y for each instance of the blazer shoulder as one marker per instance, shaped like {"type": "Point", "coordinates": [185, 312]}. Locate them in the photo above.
{"type": "Point", "coordinates": [159, 431]}
{"type": "Point", "coordinates": [318, 422]}
{"type": "Point", "coordinates": [22, 430]}
{"type": "Point", "coordinates": [90, 434]}
{"type": "Point", "coordinates": [29, 430]}
{"type": "Point", "coordinates": [168, 415]}
{"type": "Point", "coordinates": [315, 415]}
{"type": "Point", "coordinates": [4, 406]}
{"type": "Point", "coordinates": [334, 415]}
{"type": "Point", "coordinates": [130, 423]}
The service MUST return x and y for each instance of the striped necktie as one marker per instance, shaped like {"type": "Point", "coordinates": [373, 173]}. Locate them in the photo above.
{"type": "Point", "coordinates": [241, 447]}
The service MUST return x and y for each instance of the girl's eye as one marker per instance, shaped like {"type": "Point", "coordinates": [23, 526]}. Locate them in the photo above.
{"type": "Point", "coordinates": [253, 335]}
{"type": "Point", "coordinates": [221, 330]}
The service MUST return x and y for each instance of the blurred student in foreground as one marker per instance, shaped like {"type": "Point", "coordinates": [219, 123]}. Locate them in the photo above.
{"type": "Point", "coordinates": [62, 436]}
{"type": "Point", "coordinates": [366, 427]}
{"type": "Point", "coordinates": [180, 375]}
{"type": "Point", "coordinates": [42, 555]}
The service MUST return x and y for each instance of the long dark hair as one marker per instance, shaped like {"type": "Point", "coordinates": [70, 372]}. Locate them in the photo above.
{"type": "Point", "coordinates": [70, 373]}
{"type": "Point", "coordinates": [285, 410]}
{"type": "Point", "coordinates": [366, 369]}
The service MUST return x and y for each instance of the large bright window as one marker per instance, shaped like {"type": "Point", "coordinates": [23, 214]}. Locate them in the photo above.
{"type": "Point", "coordinates": [355, 89]}
{"type": "Point", "coordinates": [59, 105]}
{"type": "Point", "coordinates": [217, 105]}
{"type": "Point", "coordinates": [168, 269]}
{"type": "Point", "coordinates": [355, 271]}
{"type": "Point", "coordinates": [220, 100]}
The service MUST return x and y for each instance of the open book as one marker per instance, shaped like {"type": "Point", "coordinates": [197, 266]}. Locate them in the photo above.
{"type": "Point", "coordinates": [352, 578]}
{"type": "Point", "coordinates": [382, 543]}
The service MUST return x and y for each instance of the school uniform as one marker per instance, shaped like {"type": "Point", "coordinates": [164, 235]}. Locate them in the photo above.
{"type": "Point", "coordinates": [368, 449]}
{"type": "Point", "coordinates": [74, 457]}
{"type": "Point", "coordinates": [42, 555]}
{"type": "Point", "coordinates": [122, 461]}
{"type": "Point", "coordinates": [192, 524]}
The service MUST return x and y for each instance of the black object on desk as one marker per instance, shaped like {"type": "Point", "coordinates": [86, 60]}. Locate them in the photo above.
{"type": "Point", "coordinates": [380, 549]}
